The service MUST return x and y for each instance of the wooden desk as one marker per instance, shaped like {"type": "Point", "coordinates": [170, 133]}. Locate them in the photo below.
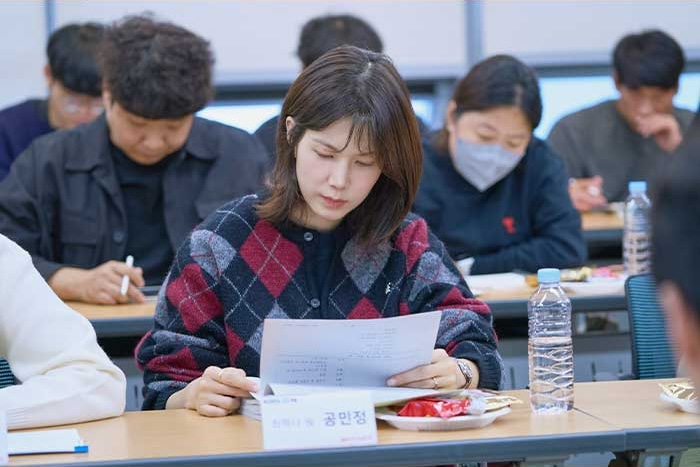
{"type": "Point", "coordinates": [182, 437]}
{"type": "Point", "coordinates": [137, 319]}
{"type": "Point", "coordinates": [118, 320]}
{"type": "Point", "coordinates": [602, 229]}
{"type": "Point", "coordinates": [609, 417]}
{"type": "Point", "coordinates": [635, 407]}
{"type": "Point", "coordinates": [513, 303]}
{"type": "Point", "coordinates": [601, 220]}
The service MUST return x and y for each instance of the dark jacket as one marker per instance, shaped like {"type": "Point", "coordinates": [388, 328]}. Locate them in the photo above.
{"type": "Point", "coordinates": [525, 221]}
{"type": "Point", "coordinates": [63, 204]}
{"type": "Point", "coordinates": [19, 126]}
{"type": "Point", "coordinates": [266, 133]}
{"type": "Point", "coordinates": [235, 270]}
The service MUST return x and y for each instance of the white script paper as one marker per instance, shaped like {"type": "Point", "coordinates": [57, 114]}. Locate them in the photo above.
{"type": "Point", "coordinates": [45, 441]}
{"type": "Point", "coordinates": [345, 353]}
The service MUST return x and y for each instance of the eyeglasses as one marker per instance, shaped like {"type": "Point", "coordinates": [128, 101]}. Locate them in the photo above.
{"type": "Point", "coordinates": [73, 104]}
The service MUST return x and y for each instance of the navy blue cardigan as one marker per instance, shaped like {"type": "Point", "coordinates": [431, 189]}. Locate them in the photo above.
{"type": "Point", "coordinates": [19, 126]}
{"type": "Point", "coordinates": [524, 222]}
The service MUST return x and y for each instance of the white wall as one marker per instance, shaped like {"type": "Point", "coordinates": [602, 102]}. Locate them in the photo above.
{"type": "Point", "coordinates": [578, 31]}
{"type": "Point", "coordinates": [257, 39]}
{"type": "Point", "coordinates": [254, 41]}
{"type": "Point", "coordinates": [22, 42]}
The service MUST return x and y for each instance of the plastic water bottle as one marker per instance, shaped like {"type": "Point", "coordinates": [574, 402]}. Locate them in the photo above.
{"type": "Point", "coordinates": [636, 249]}
{"type": "Point", "coordinates": [550, 350]}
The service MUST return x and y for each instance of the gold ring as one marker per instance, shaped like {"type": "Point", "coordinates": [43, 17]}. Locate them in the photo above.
{"type": "Point", "coordinates": [435, 384]}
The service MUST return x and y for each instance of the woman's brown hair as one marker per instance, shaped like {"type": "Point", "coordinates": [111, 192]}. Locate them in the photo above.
{"type": "Point", "coordinates": [348, 82]}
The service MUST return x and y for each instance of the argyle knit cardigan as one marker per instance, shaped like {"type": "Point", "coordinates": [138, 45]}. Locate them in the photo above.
{"type": "Point", "coordinates": [236, 269]}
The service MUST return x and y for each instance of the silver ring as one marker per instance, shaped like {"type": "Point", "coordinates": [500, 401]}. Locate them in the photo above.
{"type": "Point", "coordinates": [435, 384]}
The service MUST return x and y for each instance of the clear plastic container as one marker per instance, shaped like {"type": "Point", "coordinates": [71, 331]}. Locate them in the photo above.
{"type": "Point", "coordinates": [636, 242]}
{"type": "Point", "coordinates": [550, 349]}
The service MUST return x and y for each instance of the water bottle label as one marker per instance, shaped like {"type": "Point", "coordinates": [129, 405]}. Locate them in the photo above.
{"type": "Point", "coordinates": [637, 252]}
{"type": "Point", "coordinates": [551, 367]}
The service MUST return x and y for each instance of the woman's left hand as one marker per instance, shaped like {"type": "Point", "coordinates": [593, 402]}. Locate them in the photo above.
{"type": "Point", "coordinates": [441, 373]}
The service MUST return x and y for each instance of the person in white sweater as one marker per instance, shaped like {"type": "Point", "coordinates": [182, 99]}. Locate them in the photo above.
{"type": "Point", "coordinates": [63, 374]}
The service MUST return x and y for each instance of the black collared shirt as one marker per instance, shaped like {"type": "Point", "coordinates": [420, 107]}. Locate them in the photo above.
{"type": "Point", "coordinates": [142, 192]}
{"type": "Point", "coordinates": [323, 258]}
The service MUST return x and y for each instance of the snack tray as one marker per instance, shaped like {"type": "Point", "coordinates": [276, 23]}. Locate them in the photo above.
{"type": "Point", "coordinates": [460, 422]}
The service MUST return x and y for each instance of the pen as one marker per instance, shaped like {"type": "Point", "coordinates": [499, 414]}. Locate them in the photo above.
{"type": "Point", "coordinates": [125, 279]}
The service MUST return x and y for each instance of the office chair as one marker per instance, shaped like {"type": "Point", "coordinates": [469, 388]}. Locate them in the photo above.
{"type": "Point", "coordinates": [7, 378]}
{"type": "Point", "coordinates": [652, 353]}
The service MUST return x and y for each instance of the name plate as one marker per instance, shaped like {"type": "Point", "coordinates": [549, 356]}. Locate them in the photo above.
{"type": "Point", "coordinates": [325, 420]}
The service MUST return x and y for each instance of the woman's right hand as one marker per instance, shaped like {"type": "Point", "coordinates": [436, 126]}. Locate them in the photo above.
{"type": "Point", "coordinates": [216, 393]}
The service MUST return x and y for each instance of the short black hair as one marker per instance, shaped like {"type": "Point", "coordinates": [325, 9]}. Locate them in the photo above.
{"type": "Point", "coordinates": [323, 33]}
{"type": "Point", "coordinates": [500, 80]}
{"type": "Point", "coordinates": [156, 69]}
{"type": "Point", "coordinates": [72, 52]}
{"type": "Point", "coordinates": [676, 220]}
{"type": "Point", "coordinates": [650, 58]}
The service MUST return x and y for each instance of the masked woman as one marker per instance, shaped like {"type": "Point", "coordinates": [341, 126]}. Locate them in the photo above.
{"type": "Point", "coordinates": [491, 191]}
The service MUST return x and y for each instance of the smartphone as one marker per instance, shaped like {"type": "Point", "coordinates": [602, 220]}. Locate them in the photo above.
{"type": "Point", "coordinates": [150, 290]}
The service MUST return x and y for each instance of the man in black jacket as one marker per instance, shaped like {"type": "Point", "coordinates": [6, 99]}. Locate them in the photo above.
{"type": "Point", "coordinates": [135, 181]}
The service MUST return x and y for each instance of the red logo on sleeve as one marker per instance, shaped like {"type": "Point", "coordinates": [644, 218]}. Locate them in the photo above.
{"type": "Point", "coordinates": [509, 224]}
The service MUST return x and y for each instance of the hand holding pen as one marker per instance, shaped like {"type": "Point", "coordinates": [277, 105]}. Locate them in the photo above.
{"type": "Point", "coordinates": [125, 278]}
{"type": "Point", "coordinates": [102, 285]}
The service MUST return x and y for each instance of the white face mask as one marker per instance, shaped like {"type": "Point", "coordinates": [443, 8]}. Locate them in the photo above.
{"type": "Point", "coordinates": [483, 165]}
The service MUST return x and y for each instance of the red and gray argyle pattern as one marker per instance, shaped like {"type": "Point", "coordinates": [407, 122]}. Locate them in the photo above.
{"type": "Point", "coordinates": [236, 269]}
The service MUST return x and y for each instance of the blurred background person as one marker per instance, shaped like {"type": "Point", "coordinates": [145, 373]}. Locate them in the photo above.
{"type": "Point", "coordinates": [75, 89]}
{"type": "Point", "coordinates": [491, 191]}
{"type": "Point", "coordinates": [608, 145]}
{"type": "Point", "coordinates": [318, 36]}
{"type": "Point", "coordinates": [676, 250]}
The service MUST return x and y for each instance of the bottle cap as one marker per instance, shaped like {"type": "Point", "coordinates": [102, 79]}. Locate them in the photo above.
{"type": "Point", "coordinates": [548, 275]}
{"type": "Point", "coordinates": [637, 187]}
